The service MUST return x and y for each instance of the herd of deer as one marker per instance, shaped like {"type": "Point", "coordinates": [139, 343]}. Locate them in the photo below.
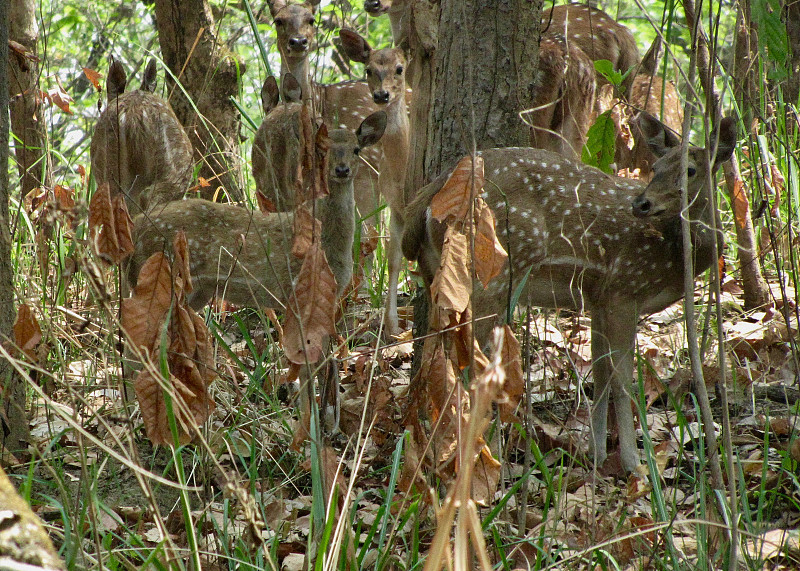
{"type": "Point", "coordinates": [579, 238]}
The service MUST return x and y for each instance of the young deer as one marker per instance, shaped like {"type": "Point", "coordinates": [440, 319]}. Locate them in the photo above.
{"type": "Point", "coordinates": [398, 16]}
{"type": "Point", "coordinates": [139, 145]}
{"type": "Point", "coordinates": [385, 71]}
{"type": "Point", "coordinates": [592, 242]}
{"type": "Point", "coordinates": [276, 148]}
{"type": "Point", "coordinates": [244, 256]}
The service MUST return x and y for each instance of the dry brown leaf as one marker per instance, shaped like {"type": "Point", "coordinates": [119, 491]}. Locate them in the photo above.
{"type": "Point", "coordinates": [122, 228]}
{"type": "Point", "coordinates": [307, 230]}
{"type": "Point", "coordinates": [94, 77]}
{"type": "Point", "coordinates": [27, 333]}
{"type": "Point", "coordinates": [143, 313]}
{"type": "Point", "coordinates": [311, 311]}
{"type": "Point", "coordinates": [265, 205]}
{"type": "Point", "coordinates": [154, 408]}
{"type": "Point", "coordinates": [64, 197]}
{"type": "Point", "coordinates": [464, 184]}
{"type": "Point", "coordinates": [110, 226]}
{"type": "Point", "coordinates": [319, 184]}
{"type": "Point", "coordinates": [490, 256]}
{"type": "Point", "coordinates": [740, 204]}
{"type": "Point", "coordinates": [452, 285]}
{"type": "Point", "coordinates": [181, 278]}
{"type": "Point", "coordinates": [514, 386]}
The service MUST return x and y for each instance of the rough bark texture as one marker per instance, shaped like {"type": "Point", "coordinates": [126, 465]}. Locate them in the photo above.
{"type": "Point", "coordinates": [485, 65]}
{"type": "Point", "coordinates": [26, 116]}
{"type": "Point", "coordinates": [13, 421]}
{"type": "Point", "coordinates": [745, 62]}
{"type": "Point", "coordinates": [210, 75]}
{"type": "Point", "coordinates": [756, 291]}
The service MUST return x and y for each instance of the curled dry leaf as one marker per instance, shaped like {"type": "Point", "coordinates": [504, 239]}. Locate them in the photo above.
{"type": "Point", "coordinates": [265, 205]}
{"type": "Point", "coordinates": [307, 231]}
{"type": "Point", "coordinates": [110, 226]}
{"type": "Point", "coordinates": [490, 256]}
{"type": "Point", "coordinates": [452, 285]}
{"type": "Point", "coordinates": [27, 333]}
{"type": "Point", "coordinates": [464, 184]}
{"type": "Point", "coordinates": [182, 280]}
{"type": "Point", "coordinates": [122, 228]}
{"type": "Point", "coordinates": [143, 313]}
{"type": "Point", "coordinates": [319, 184]}
{"type": "Point", "coordinates": [311, 311]}
{"type": "Point", "coordinates": [514, 386]}
{"type": "Point", "coordinates": [94, 77]}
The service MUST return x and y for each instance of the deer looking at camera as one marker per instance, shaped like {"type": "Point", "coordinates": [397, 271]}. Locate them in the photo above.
{"type": "Point", "coordinates": [139, 147]}
{"type": "Point", "coordinates": [584, 240]}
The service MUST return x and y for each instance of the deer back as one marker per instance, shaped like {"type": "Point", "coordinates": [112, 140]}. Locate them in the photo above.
{"type": "Point", "coordinates": [138, 142]}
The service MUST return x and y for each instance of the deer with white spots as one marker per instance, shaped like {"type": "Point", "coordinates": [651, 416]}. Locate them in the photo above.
{"type": "Point", "coordinates": [139, 147]}
{"type": "Point", "coordinates": [591, 241]}
{"type": "Point", "coordinates": [277, 146]}
{"type": "Point", "coordinates": [244, 256]}
{"type": "Point", "coordinates": [343, 105]}
{"type": "Point", "coordinates": [385, 71]}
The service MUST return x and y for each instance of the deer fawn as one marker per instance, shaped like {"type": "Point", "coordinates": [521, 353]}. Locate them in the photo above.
{"type": "Point", "coordinates": [591, 241]}
{"type": "Point", "coordinates": [398, 16]}
{"type": "Point", "coordinates": [139, 148]}
{"type": "Point", "coordinates": [385, 71]}
{"type": "Point", "coordinates": [276, 148]}
{"type": "Point", "coordinates": [243, 256]}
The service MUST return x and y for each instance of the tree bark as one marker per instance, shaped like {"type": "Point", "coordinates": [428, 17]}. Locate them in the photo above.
{"type": "Point", "coordinates": [792, 19]}
{"type": "Point", "coordinates": [210, 75]}
{"type": "Point", "coordinates": [26, 116]}
{"type": "Point", "coordinates": [13, 420]}
{"type": "Point", "coordinates": [485, 71]}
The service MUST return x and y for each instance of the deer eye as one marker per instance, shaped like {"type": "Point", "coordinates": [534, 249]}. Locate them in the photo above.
{"type": "Point", "coordinates": [399, 70]}
{"type": "Point", "coordinates": [356, 151]}
{"type": "Point", "coordinates": [691, 171]}
{"type": "Point", "coordinates": [278, 21]}
{"type": "Point", "coordinates": [369, 72]}
{"type": "Point", "coordinates": [311, 22]}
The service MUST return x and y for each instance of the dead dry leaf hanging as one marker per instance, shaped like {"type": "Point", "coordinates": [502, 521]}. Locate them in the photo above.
{"type": "Point", "coordinates": [514, 386]}
{"type": "Point", "coordinates": [464, 184]}
{"type": "Point", "coordinates": [110, 226]}
{"type": "Point", "coordinates": [181, 277]}
{"type": "Point", "coordinates": [452, 285]}
{"type": "Point", "coordinates": [27, 333]}
{"type": "Point", "coordinates": [307, 230]}
{"type": "Point", "coordinates": [143, 313]}
{"type": "Point", "coordinates": [311, 311]}
{"type": "Point", "coordinates": [490, 256]}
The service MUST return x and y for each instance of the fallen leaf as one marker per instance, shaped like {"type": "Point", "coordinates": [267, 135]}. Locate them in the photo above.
{"type": "Point", "coordinates": [463, 184]}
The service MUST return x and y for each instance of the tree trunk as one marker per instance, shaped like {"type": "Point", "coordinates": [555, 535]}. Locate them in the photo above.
{"type": "Point", "coordinates": [210, 76]}
{"type": "Point", "coordinates": [26, 116]}
{"type": "Point", "coordinates": [792, 19]}
{"type": "Point", "coordinates": [13, 420]}
{"type": "Point", "coordinates": [745, 63]}
{"type": "Point", "coordinates": [485, 70]}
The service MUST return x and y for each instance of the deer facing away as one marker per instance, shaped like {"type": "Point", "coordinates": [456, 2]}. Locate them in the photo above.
{"type": "Point", "coordinates": [244, 256]}
{"type": "Point", "coordinates": [593, 242]}
{"type": "Point", "coordinates": [139, 147]}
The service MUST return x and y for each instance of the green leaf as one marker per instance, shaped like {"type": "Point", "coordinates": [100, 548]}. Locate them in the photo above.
{"type": "Point", "coordinates": [766, 15]}
{"type": "Point", "coordinates": [600, 143]}
{"type": "Point", "coordinates": [606, 69]}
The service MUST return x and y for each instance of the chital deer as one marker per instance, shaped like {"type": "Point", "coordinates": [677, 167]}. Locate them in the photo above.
{"type": "Point", "coordinates": [139, 145]}
{"type": "Point", "coordinates": [597, 34]}
{"type": "Point", "coordinates": [592, 242]}
{"type": "Point", "coordinates": [398, 16]}
{"type": "Point", "coordinates": [385, 71]}
{"type": "Point", "coordinates": [243, 256]}
{"type": "Point", "coordinates": [565, 95]}
{"type": "Point", "coordinates": [277, 146]}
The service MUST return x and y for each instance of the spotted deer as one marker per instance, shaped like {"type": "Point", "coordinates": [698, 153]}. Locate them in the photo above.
{"type": "Point", "coordinates": [139, 147]}
{"type": "Point", "coordinates": [584, 240]}
{"type": "Point", "coordinates": [398, 16]}
{"type": "Point", "coordinates": [563, 107]}
{"type": "Point", "coordinates": [275, 157]}
{"type": "Point", "coordinates": [597, 34]}
{"type": "Point", "coordinates": [385, 71]}
{"type": "Point", "coordinates": [343, 105]}
{"type": "Point", "coordinates": [244, 256]}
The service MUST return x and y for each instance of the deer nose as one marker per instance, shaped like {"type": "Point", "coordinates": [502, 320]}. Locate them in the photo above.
{"type": "Point", "coordinates": [342, 171]}
{"type": "Point", "coordinates": [297, 43]}
{"type": "Point", "coordinates": [381, 96]}
{"type": "Point", "coordinates": [372, 5]}
{"type": "Point", "coordinates": [641, 206]}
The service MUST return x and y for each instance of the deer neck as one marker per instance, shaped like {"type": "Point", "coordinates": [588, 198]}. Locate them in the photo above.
{"type": "Point", "coordinates": [337, 211]}
{"type": "Point", "coordinates": [395, 143]}
{"type": "Point", "coordinates": [301, 69]}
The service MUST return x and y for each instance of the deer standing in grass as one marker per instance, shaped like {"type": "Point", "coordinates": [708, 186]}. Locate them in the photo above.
{"type": "Point", "coordinates": [139, 147]}
{"type": "Point", "coordinates": [385, 71]}
{"type": "Point", "coordinates": [244, 256]}
{"type": "Point", "coordinates": [593, 242]}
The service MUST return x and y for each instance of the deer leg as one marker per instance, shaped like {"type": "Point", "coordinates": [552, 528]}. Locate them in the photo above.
{"type": "Point", "coordinates": [395, 257]}
{"type": "Point", "coordinates": [621, 321]}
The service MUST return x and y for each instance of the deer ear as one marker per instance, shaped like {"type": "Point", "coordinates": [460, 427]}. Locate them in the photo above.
{"type": "Point", "coordinates": [291, 91]}
{"type": "Point", "coordinates": [270, 94]}
{"type": "Point", "coordinates": [356, 47]}
{"type": "Point", "coordinates": [659, 137]}
{"type": "Point", "coordinates": [727, 140]}
{"type": "Point", "coordinates": [371, 129]}
{"type": "Point", "coordinates": [276, 6]}
{"type": "Point", "coordinates": [150, 76]}
{"type": "Point", "coordinates": [116, 80]}
{"type": "Point", "coordinates": [313, 5]}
